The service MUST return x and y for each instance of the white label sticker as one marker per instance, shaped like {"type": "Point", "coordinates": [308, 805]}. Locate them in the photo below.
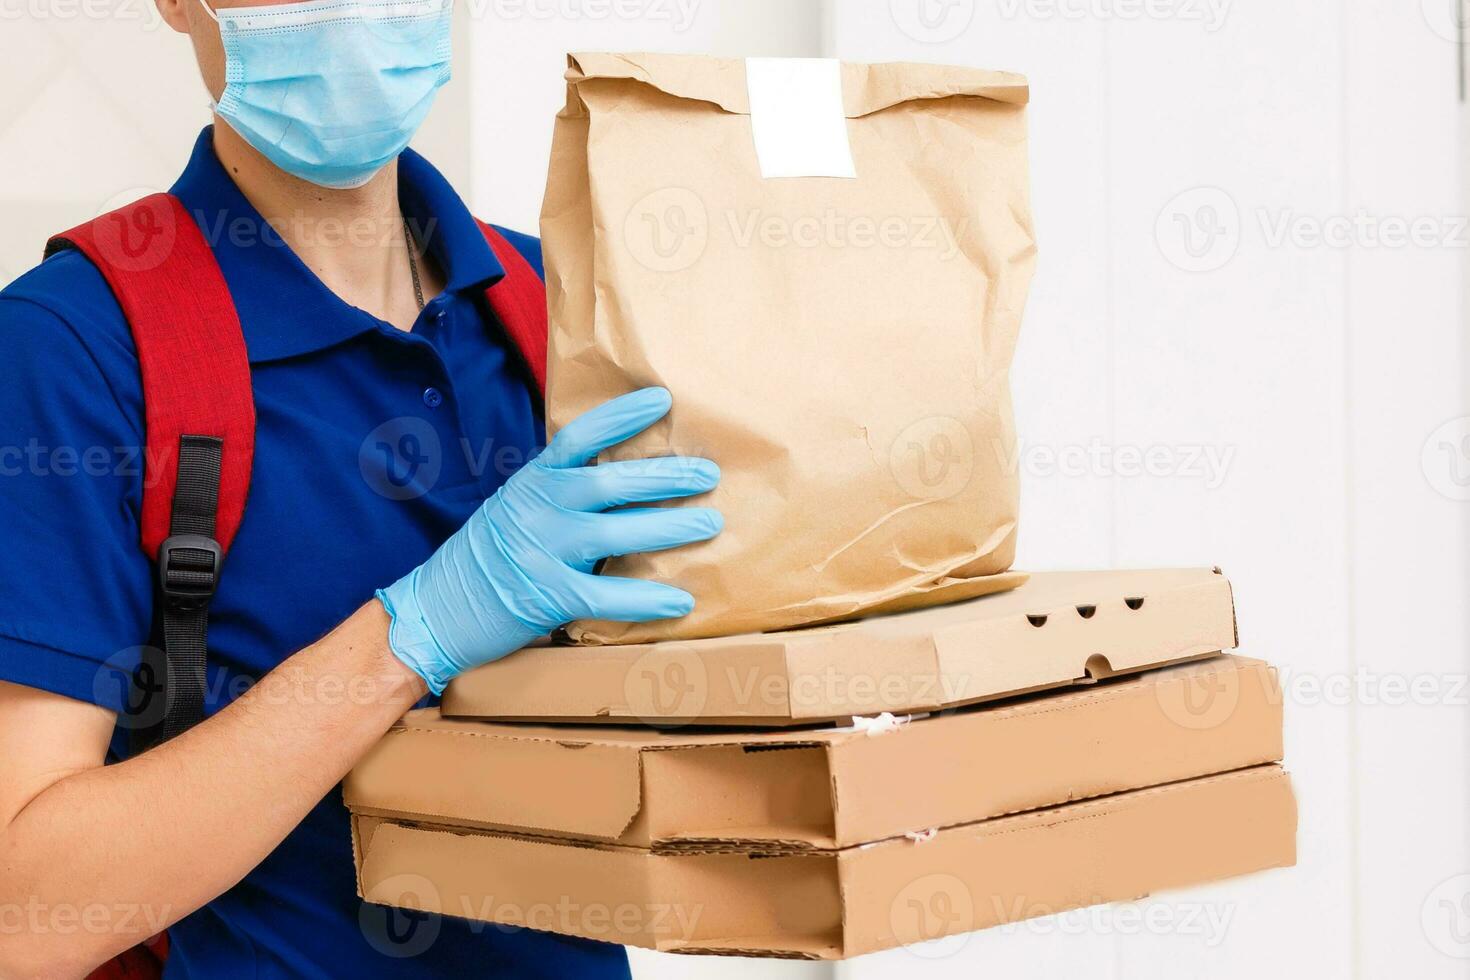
{"type": "Point", "coordinates": [797, 118]}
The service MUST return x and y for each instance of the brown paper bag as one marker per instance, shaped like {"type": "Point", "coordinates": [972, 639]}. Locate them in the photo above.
{"type": "Point", "coordinates": [839, 346]}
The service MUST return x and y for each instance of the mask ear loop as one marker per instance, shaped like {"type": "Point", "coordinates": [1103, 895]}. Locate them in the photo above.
{"type": "Point", "coordinates": [213, 105]}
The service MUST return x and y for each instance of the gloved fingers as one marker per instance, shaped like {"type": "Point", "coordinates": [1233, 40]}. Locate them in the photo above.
{"type": "Point", "coordinates": [634, 481]}
{"type": "Point", "coordinates": [631, 532]}
{"type": "Point", "coordinates": [605, 426]}
{"type": "Point", "coordinates": [631, 600]}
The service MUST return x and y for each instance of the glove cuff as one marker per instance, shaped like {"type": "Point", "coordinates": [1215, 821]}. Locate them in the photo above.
{"type": "Point", "coordinates": [409, 637]}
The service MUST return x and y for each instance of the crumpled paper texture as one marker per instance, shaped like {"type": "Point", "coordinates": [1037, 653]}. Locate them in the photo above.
{"type": "Point", "coordinates": [840, 347]}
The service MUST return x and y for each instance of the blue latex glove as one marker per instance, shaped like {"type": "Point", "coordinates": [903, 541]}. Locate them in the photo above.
{"type": "Point", "coordinates": [522, 566]}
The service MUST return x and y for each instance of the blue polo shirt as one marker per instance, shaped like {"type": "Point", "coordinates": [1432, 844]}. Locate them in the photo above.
{"type": "Point", "coordinates": [373, 446]}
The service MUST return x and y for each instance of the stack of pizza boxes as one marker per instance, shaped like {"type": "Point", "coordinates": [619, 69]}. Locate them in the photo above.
{"type": "Point", "coordinates": [822, 793]}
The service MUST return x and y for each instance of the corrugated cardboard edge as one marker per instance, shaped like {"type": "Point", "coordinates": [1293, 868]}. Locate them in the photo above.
{"type": "Point", "coordinates": [1263, 792]}
{"type": "Point", "coordinates": [1176, 722]}
{"type": "Point", "coordinates": [1258, 800]}
{"type": "Point", "coordinates": [1240, 727]}
{"type": "Point", "coordinates": [1234, 614]}
{"type": "Point", "coordinates": [782, 679]}
{"type": "Point", "coordinates": [400, 779]}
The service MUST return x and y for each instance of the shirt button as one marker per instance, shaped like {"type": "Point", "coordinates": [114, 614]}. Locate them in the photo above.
{"type": "Point", "coordinates": [433, 397]}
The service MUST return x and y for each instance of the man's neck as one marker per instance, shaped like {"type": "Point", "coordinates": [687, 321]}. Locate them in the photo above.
{"type": "Point", "coordinates": [354, 240]}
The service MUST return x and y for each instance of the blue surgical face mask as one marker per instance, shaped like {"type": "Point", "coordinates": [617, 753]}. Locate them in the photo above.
{"type": "Point", "coordinates": [331, 91]}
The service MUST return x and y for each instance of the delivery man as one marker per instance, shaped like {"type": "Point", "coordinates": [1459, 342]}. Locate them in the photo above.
{"type": "Point", "coordinates": [354, 587]}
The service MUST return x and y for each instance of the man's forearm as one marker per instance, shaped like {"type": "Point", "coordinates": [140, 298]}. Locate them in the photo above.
{"type": "Point", "coordinates": [156, 837]}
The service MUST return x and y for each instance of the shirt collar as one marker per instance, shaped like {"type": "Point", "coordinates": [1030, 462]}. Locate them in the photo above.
{"type": "Point", "coordinates": [284, 309]}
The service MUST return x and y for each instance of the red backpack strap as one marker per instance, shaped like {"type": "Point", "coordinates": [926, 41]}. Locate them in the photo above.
{"type": "Point", "coordinates": [519, 301]}
{"type": "Point", "coordinates": [196, 376]}
{"type": "Point", "coordinates": [143, 962]}
{"type": "Point", "coordinates": [199, 412]}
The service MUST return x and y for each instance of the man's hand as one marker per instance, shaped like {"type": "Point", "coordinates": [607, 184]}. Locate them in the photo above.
{"type": "Point", "coordinates": [146, 842]}
{"type": "Point", "coordinates": [523, 564]}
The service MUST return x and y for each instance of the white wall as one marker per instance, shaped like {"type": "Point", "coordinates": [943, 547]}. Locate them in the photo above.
{"type": "Point", "coordinates": [1318, 372]}
{"type": "Point", "coordinates": [92, 109]}
{"type": "Point", "coordinates": [1316, 375]}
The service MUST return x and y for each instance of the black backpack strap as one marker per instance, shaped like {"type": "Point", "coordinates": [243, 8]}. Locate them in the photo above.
{"type": "Point", "coordinates": [188, 576]}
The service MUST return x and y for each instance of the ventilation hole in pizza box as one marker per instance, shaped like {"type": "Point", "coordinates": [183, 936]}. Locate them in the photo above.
{"type": "Point", "coordinates": [1135, 602]}
{"type": "Point", "coordinates": [788, 747]}
{"type": "Point", "coordinates": [1086, 612]}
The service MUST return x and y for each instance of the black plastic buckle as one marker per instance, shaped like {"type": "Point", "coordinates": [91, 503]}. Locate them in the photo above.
{"type": "Point", "coordinates": [188, 571]}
